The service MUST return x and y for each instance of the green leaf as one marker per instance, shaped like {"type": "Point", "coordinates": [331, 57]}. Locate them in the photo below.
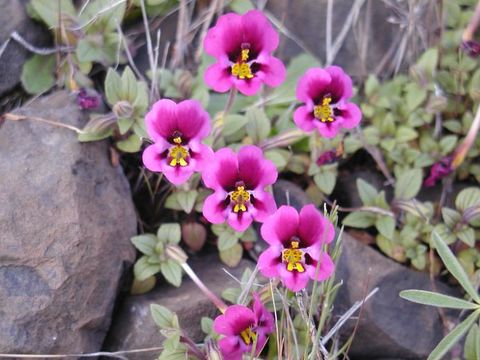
{"type": "Point", "coordinates": [113, 82]}
{"type": "Point", "coordinates": [472, 344]}
{"type": "Point", "coordinates": [436, 299]}
{"type": "Point", "coordinates": [408, 184]}
{"type": "Point", "coordinates": [453, 337]}
{"type": "Point", "coordinates": [366, 192]}
{"type": "Point", "coordinates": [258, 125]}
{"type": "Point", "coordinates": [453, 266]}
{"type": "Point", "coordinates": [427, 63]}
{"type": "Point", "coordinates": [143, 269]}
{"type": "Point", "coordinates": [241, 6]}
{"type": "Point", "coordinates": [467, 235]}
{"type": "Point", "coordinates": [186, 199]}
{"type": "Point", "coordinates": [325, 181]}
{"type": "Point", "coordinates": [451, 217]}
{"type": "Point", "coordinates": [207, 325]}
{"type": "Point", "coordinates": [233, 123]}
{"type": "Point", "coordinates": [132, 144]}
{"type": "Point", "coordinates": [89, 50]}
{"type": "Point", "coordinates": [226, 240]}
{"type": "Point", "coordinates": [359, 219]}
{"type": "Point", "coordinates": [415, 96]}
{"type": "Point", "coordinates": [385, 226]}
{"type": "Point", "coordinates": [38, 74]}
{"type": "Point", "coordinates": [405, 134]}
{"type": "Point", "coordinates": [232, 255]}
{"type": "Point", "coordinates": [277, 157]}
{"type": "Point", "coordinates": [145, 243]}
{"type": "Point", "coordinates": [163, 317]}
{"type": "Point", "coordinates": [474, 88]}
{"type": "Point", "coordinates": [172, 272]}
{"type": "Point", "coordinates": [169, 233]}
{"type": "Point", "coordinates": [172, 202]}
{"type": "Point", "coordinates": [129, 85]}
{"type": "Point", "coordinates": [467, 198]}
{"type": "Point", "coordinates": [124, 125]}
{"type": "Point", "coordinates": [48, 10]}
{"type": "Point", "coordinates": [142, 287]}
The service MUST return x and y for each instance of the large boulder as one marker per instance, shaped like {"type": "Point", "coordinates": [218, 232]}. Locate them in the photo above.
{"type": "Point", "coordinates": [66, 219]}
{"type": "Point", "coordinates": [133, 326]}
{"type": "Point", "coordinates": [13, 17]}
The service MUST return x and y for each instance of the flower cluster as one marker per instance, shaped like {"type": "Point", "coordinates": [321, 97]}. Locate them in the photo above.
{"type": "Point", "coordinates": [242, 46]}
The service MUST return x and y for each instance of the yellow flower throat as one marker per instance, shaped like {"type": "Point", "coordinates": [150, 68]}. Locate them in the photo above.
{"type": "Point", "coordinates": [241, 69]}
{"type": "Point", "coordinates": [324, 112]}
{"type": "Point", "coordinates": [178, 154]}
{"type": "Point", "coordinates": [293, 257]}
{"type": "Point", "coordinates": [240, 197]}
{"type": "Point", "coordinates": [248, 336]}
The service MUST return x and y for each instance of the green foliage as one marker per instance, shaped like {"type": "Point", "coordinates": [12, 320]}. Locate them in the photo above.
{"type": "Point", "coordinates": [38, 74]}
{"type": "Point", "coordinates": [154, 259]}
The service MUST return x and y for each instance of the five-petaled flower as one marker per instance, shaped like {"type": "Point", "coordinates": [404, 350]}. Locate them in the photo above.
{"type": "Point", "coordinates": [243, 328]}
{"type": "Point", "coordinates": [243, 46]}
{"type": "Point", "coordinates": [326, 94]}
{"type": "Point", "coordinates": [295, 253]}
{"type": "Point", "coordinates": [177, 131]}
{"type": "Point", "coordinates": [239, 181]}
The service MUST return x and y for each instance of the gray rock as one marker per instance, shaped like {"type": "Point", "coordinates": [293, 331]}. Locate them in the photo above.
{"type": "Point", "coordinates": [133, 326]}
{"type": "Point", "coordinates": [13, 17]}
{"type": "Point", "coordinates": [306, 20]}
{"type": "Point", "coordinates": [286, 192]}
{"type": "Point", "coordinates": [66, 219]}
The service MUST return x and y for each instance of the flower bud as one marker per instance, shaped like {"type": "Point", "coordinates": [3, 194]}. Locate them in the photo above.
{"type": "Point", "coordinates": [123, 110]}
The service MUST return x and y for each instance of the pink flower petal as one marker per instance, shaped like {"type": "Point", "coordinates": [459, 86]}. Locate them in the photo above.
{"type": "Point", "coordinates": [239, 221]}
{"type": "Point", "coordinates": [279, 228]}
{"type": "Point", "coordinates": [232, 347]}
{"type": "Point", "coordinates": [201, 154]}
{"type": "Point", "coordinates": [312, 84]}
{"type": "Point", "coordinates": [218, 77]}
{"type": "Point", "coordinates": [273, 72]}
{"type": "Point", "coordinates": [350, 115]}
{"type": "Point", "coordinates": [328, 129]}
{"type": "Point", "coordinates": [161, 120]}
{"type": "Point", "coordinates": [325, 270]}
{"type": "Point", "coordinates": [341, 86]}
{"type": "Point", "coordinates": [256, 171]}
{"type": "Point", "coordinates": [259, 32]}
{"type": "Point", "coordinates": [313, 227]}
{"type": "Point", "coordinates": [236, 319]}
{"type": "Point", "coordinates": [193, 120]}
{"type": "Point", "coordinates": [293, 280]}
{"type": "Point", "coordinates": [225, 36]}
{"type": "Point", "coordinates": [152, 158]}
{"type": "Point", "coordinates": [222, 173]}
{"type": "Point", "coordinates": [269, 260]}
{"type": "Point", "coordinates": [264, 205]}
{"type": "Point", "coordinates": [214, 208]}
{"type": "Point", "coordinates": [248, 87]}
{"type": "Point", "coordinates": [304, 119]}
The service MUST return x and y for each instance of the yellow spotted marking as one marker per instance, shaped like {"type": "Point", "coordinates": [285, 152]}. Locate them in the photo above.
{"type": "Point", "coordinates": [241, 69]}
{"type": "Point", "coordinates": [178, 153]}
{"type": "Point", "coordinates": [324, 112]}
{"type": "Point", "coordinates": [240, 197]}
{"type": "Point", "coordinates": [293, 257]}
{"type": "Point", "coordinates": [248, 336]}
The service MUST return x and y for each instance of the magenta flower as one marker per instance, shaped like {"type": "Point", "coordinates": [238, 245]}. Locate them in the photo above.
{"type": "Point", "coordinates": [243, 46]}
{"type": "Point", "coordinates": [326, 94]}
{"type": "Point", "coordinates": [239, 182]}
{"type": "Point", "coordinates": [177, 131]}
{"type": "Point", "coordinates": [87, 102]}
{"type": "Point", "coordinates": [242, 327]}
{"type": "Point", "coordinates": [296, 246]}
{"type": "Point", "coordinates": [471, 48]}
{"type": "Point", "coordinates": [327, 157]}
{"type": "Point", "coordinates": [438, 171]}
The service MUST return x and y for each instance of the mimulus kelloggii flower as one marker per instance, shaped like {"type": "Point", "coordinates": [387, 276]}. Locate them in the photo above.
{"type": "Point", "coordinates": [177, 131]}
{"type": "Point", "coordinates": [325, 94]}
{"type": "Point", "coordinates": [239, 182]}
{"type": "Point", "coordinates": [295, 249]}
{"type": "Point", "coordinates": [243, 327]}
{"type": "Point", "coordinates": [243, 46]}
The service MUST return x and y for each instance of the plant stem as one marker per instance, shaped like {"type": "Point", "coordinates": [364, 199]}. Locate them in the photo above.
{"type": "Point", "coordinates": [16, 117]}
{"type": "Point", "coordinates": [217, 129]}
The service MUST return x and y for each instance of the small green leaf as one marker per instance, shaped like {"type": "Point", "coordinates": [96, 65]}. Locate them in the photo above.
{"type": "Point", "coordinates": [132, 144]}
{"type": "Point", "coordinates": [415, 96]}
{"type": "Point", "coordinates": [359, 219]}
{"type": "Point", "coordinates": [467, 198]}
{"type": "Point", "coordinates": [258, 125]}
{"type": "Point", "coordinates": [142, 287]}
{"type": "Point", "coordinates": [124, 125]}
{"type": "Point", "coordinates": [385, 226]}
{"type": "Point", "coordinates": [172, 272]}
{"type": "Point", "coordinates": [453, 266]}
{"type": "Point", "coordinates": [113, 82]}
{"type": "Point", "coordinates": [169, 233]}
{"type": "Point", "coordinates": [232, 255]}
{"type": "Point", "coordinates": [408, 184]}
{"type": "Point", "coordinates": [366, 192]}
{"type": "Point", "coordinates": [453, 337]}
{"type": "Point", "coordinates": [241, 6]}
{"type": "Point", "coordinates": [467, 235]}
{"type": "Point", "coordinates": [207, 325]}
{"type": "Point", "coordinates": [436, 299]}
{"type": "Point", "coordinates": [186, 199]}
{"type": "Point", "coordinates": [470, 348]}
{"type": "Point", "coordinates": [405, 134]}
{"type": "Point", "coordinates": [226, 240]}
{"type": "Point", "coordinates": [233, 123]}
{"type": "Point", "coordinates": [129, 85]}
{"type": "Point", "coordinates": [163, 317]}
{"type": "Point", "coordinates": [38, 74]}
{"type": "Point", "coordinates": [325, 181]}
{"type": "Point", "coordinates": [143, 269]}
{"type": "Point", "coordinates": [145, 243]}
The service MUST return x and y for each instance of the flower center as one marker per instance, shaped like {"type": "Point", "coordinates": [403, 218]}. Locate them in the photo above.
{"type": "Point", "coordinates": [293, 257]}
{"type": "Point", "coordinates": [324, 112]}
{"type": "Point", "coordinates": [240, 197]}
{"type": "Point", "coordinates": [241, 69]}
{"type": "Point", "coordinates": [248, 336]}
{"type": "Point", "coordinates": [178, 154]}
